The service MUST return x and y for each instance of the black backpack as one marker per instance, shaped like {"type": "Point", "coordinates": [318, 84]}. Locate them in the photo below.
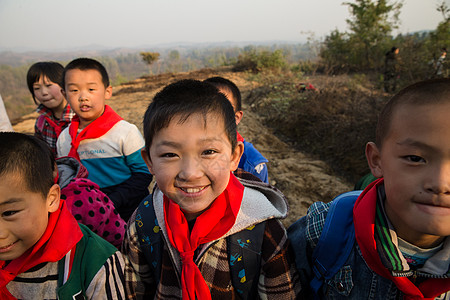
{"type": "Point", "coordinates": [244, 250]}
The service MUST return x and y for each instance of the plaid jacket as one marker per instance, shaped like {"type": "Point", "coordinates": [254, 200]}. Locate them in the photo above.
{"type": "Point", "coordinates": [45, 131]}
{"type": "Point", "coordinates": [278, 278]}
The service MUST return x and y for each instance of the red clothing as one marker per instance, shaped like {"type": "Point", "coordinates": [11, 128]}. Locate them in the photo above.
{"type": "Point", "coordinates": [48, 128]}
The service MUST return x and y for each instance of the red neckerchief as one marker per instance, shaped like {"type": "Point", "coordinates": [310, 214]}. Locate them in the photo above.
{"type": "Point", "coordinates": [62, 234]}
{"type": "Point", "coordinates": [364, 220]}
{"type": "Point", "coordinates": [216, 221]}
{"type": "Point", "coordinates": [58, 125]}
{"type": "Point", "coordinates": [96, 129]}
{"type": "Point", "coordinates": [239, 137]}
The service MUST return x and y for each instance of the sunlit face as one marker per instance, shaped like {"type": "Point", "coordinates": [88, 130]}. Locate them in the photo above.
{"type": "Point", "coordinates": [49, 94]}
{"type": "Point", "coordinates": [86, 94]}
{"type": "Point", "coordinates": [191, 162]}
{"type": "Point", "coordinates": [23, 216]}
{"type": "Point", "coordinates": [415, 163]}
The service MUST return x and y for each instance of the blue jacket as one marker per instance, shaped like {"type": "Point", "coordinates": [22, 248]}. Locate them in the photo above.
{"type": "Point", "coordinates": [250, 159]}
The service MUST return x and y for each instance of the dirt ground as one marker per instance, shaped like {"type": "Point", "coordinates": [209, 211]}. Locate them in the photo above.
{"type": "Point", "coordinates": [302, 179]}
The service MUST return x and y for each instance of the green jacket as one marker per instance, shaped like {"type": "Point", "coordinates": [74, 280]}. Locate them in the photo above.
{"type": "Point", "coordinates": [93, 260]}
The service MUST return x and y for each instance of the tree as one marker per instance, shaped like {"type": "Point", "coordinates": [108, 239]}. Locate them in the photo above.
{"type": "Point", "coordinates": [371, 23]}
{"type": "Point", "coordinates": [149, 58]}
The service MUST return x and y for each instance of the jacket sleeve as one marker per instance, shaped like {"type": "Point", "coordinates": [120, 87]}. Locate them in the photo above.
{"type": "Point", "coordinates": [108, 283]}
{"type": "Point", "coordinates": [139, 283]}
{"type": "Point", "coordinates": [127, 195]}
{"type": "Point", "coordinates": [279, 278]}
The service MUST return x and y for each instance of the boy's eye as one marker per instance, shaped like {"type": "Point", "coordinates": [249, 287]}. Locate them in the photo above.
{"type": "Point", "coordinates": [73, 90]}
{"type": "Point", "coordinates": [36, 88]}
{"type": "Point", "coordinates": [9, 213]}
{"type": "Point", "coordinates": [209, 152]}
{"type": "Point", "coordinates": [169, 155]}
{"type": "Point", "coordinates": [49, 85]}
{"type": "Point", "coordinates": [414, 158]}
{"type": "Point", "coordinates": [91, 90]}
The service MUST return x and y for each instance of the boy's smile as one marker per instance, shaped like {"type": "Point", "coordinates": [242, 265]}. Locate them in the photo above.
{"type": "Point", "coordinates": [192, 160]}
{"type": "Point", "coordinates": [86, 94]}
{"type": "Point", "coordinates": [415, 163]}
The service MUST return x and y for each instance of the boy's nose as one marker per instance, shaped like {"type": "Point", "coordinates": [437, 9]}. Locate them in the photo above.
{"type": "Point", "coordinates": [3, 234]}
{"type": "Point", "coordinates": [439, 180]}
{"type": "Point", "coordinates": [190, 170]}
{"type": "Point", "coordinates": [82, 97]}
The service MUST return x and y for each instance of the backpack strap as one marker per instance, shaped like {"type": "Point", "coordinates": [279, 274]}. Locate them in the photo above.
{"type": "Point", "coordinates": [149, 235]}
{"type": "Point", "coordinates": [244, 255]}
{"type": "Point", "coordinates": [336, 240]}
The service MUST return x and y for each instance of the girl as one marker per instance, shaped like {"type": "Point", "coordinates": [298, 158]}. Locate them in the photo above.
{"type": "Point", "coordinates": [43, 79]}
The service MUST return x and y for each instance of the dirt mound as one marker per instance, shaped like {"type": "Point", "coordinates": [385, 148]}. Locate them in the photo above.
{"type": "Point", "coordinates": [301, 178]}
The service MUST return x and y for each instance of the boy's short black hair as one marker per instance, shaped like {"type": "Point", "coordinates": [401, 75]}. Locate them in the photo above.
{"type": "Point", "coordinates": [85, 64]}
{"type": "Point", "coordinates": [223, 83]}
{"type": "Point", "coordinates": [28, 158]}
{"type": "Point", "coordinates": [50, 69]}
{"type": "Point", "coordinates": [185, 98]}
{"type": "Point", "coordinates": [433, 91]}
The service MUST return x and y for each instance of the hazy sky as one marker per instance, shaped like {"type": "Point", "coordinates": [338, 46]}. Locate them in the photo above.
{"type": "Point", "coordinates": [61, 24]}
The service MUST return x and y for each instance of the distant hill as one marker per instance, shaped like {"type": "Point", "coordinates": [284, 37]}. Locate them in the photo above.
{"type": "Point", "coordinates": [125, 64]}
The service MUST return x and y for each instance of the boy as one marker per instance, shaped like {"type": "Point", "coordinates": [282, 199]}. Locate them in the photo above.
{"type": "Point", "coordinates": [191, 149]}
{"type": "Point", "coordinates": [108, 146]}
{"type": "Point", "coordinates": [251, 161]}
{"type": "Point", "coordinates": [402, 220]}
{"type": "Point", "coordinates": [44, 253]}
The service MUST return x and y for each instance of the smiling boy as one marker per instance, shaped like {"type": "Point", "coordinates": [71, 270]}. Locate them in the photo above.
{"type": "Point", "coordinates": [108, 146]}
{"type": "Point", "coordinates": [191, 148]}
{"type": "Point", "coordinates": [44, 253]}
{"type": "Point", "coordinates": [402, 220]}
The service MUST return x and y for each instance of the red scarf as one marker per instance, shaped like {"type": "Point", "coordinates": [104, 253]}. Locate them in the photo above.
{"type": "Point", "coordinates": [57, 127]}
{"type": "Point", "coordinates": [216, 221]}
{"type": "Point", "coordinates": [58, 124]}
{"type": "Point", "coordinates": [62, 235]}
{"type": "Point", "coordinates": [364, 220]}
{"type": "Point", "coordinates": [239, 137]}
{"type": "Point", "coordinates": [96, 129]}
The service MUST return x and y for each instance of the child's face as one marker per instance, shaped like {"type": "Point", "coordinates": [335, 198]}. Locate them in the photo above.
{"type": "Point", "coordinates": [86, 94]}
{"type": "Point", "coordinates": [49, 94]}
{"type": "Point", "coordinates": [238, 114]}
{"type": "Point", "coordinates": [191, 162]}
{"type": "Point", "coordinates": [415, 163]}
{"type": "Point", "coordinates": [23, 216]}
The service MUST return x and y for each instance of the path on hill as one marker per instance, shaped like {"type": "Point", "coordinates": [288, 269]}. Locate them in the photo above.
{"type": "Point", "coordinates": [302, 179]}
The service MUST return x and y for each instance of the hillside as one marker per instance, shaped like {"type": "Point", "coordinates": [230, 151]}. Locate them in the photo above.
{"type": "Point", "coordinates": [301, 178]}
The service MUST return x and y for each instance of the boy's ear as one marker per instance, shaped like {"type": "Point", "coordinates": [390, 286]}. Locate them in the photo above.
{"type": "Point", "coordinates": [146, 156]}
{"type": "Point", "coordinates": [53, 198]}
{"type": "Point", "coordinates": [63, 92]}
{"type": "Point", "coordinates": [108, 92]}
{"type": "Point", "coordinates": [238, 116]}
{"type": "Point", "coordinates": [373, 156]}
{"type": "Point", "coordinates": [236, 156]}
